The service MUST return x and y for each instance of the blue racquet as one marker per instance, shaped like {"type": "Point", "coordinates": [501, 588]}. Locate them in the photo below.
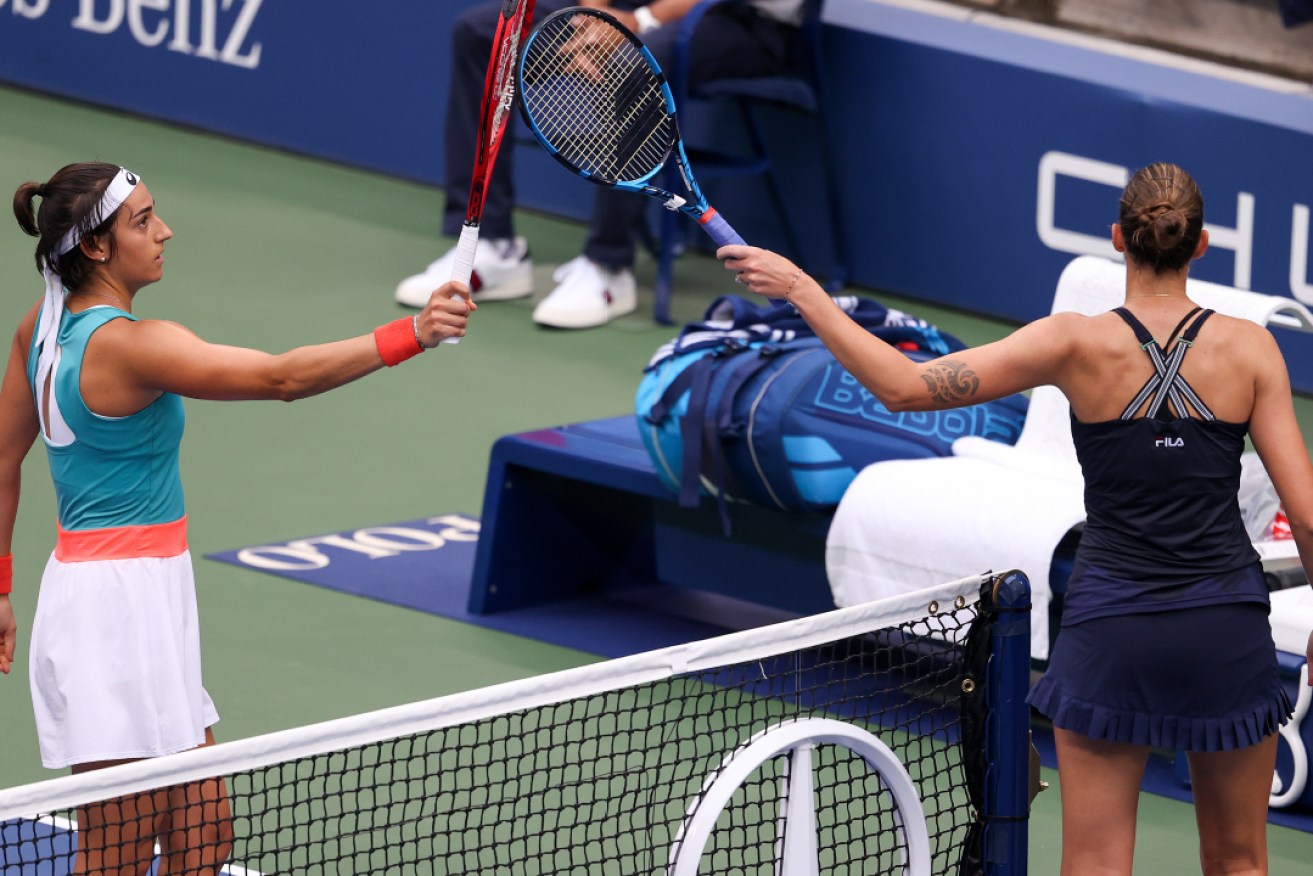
{"type": "Point", "coordinates": [594, 96]}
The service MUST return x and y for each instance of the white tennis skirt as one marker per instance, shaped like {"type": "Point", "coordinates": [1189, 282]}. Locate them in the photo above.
{"type": "Point", "coordinates": [115, 661]}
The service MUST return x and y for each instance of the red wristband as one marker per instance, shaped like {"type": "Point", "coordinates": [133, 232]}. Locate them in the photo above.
{"type": "Point", "coordinates": [6, 574]}
{"type": "Point", "coordinates": [396, 341]}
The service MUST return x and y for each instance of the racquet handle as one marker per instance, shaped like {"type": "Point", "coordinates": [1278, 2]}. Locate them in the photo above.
{"type": "Point", "coordinates": [463, 268]}
{"type": "Point", "coordinates": [720, 230]}
{"type": "Point", "coordinates": [724, 234]}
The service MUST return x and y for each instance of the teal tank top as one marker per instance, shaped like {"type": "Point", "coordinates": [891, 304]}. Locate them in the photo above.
{"type": "Point", "coordinates": [115, 471]}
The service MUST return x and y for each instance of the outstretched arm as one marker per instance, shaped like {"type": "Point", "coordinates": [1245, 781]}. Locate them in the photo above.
{"type": "Point", "coordinates": [1034, 355]}
{"type": "Point", "coordinates": [157, 356]}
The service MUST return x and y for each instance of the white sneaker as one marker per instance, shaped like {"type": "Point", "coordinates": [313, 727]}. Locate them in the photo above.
{"type": "Point", "coordinates": [502, 271]}
{"type": "Point", "coordinates": [586, 295]}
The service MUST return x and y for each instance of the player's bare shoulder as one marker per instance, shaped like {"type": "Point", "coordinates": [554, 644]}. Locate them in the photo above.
{"type": "Point", "coordinates": [1241, 339]}
{"type": "Point", "coordinates": [1238, 328]}
{"type": "Point", "coordinates": [1059, 329]}
{"type": "Point", "coordinates": [127, 332]}
{"type": "Point", "coordinates": [1069, 322]}
{"type": "Point", "coordinates": [1093, 351]}
{"type": "Point", "coordinates": [1085, 336]}
{"type": "Point", "coordinates": [162, 327]}
{"type": "Point", "coordinates": [141, 346]}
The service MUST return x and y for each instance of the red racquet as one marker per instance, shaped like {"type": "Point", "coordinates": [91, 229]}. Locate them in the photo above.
{"type": "Point", "coordinates": [495, 113]}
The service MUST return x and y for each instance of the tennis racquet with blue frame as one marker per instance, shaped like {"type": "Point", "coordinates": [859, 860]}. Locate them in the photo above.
{"type": "Point", "coordinates": [593, 95]}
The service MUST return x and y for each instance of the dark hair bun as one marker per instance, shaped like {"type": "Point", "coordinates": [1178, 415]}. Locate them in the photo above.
{"type": "Point", "coordinates": [1167, 227]}
{"type": "Point", "coordinates": [1161, 217]}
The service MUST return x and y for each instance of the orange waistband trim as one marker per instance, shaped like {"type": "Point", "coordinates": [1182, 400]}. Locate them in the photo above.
{"type": "Point", "coordinates": [122, 542]}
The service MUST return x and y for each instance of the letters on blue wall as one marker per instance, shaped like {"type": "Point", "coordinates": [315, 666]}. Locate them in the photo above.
{"type": "Point", "coordinates": [359, 83]}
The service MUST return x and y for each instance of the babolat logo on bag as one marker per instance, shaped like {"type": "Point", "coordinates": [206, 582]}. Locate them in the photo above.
{"type": "Point", "coordinates": [841, 393]}
{"type": "Point", "coordinates": [749, 405]}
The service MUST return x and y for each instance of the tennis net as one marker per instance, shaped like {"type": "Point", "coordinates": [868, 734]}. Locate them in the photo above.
{"type": "Point", "coordinates": [856, 741]}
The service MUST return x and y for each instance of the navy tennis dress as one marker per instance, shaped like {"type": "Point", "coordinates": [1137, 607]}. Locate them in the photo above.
{"type": "Point", "coordinates": [1165, 639]}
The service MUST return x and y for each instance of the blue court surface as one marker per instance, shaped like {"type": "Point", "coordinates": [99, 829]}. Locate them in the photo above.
{"type": "Point", "coordinates": [427, 565]}
{"type": "Point", "coordinates": [54, 838]}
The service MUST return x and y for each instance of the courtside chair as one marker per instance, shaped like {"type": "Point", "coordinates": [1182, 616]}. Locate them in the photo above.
{"type": "Point", "coordinates": [798, 90]}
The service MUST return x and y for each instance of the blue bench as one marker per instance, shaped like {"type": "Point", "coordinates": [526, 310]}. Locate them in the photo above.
{"type": "Point", "coordinates": [576, 510]}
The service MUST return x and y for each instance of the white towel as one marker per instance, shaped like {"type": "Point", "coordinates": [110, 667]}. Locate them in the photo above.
{"type": "Point", "coordinates": [902, 526]}
{"type": "Point", "coordinates": [1292, 619]}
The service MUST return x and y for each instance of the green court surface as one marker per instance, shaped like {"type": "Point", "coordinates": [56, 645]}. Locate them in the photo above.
{"type": "Point", "coordinates": [273, 251]}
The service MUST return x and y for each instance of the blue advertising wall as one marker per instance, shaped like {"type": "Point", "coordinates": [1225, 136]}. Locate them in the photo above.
{"type": "Point", "coordinates": [359, 83]}
{"type": "Point", "coordinates": [974, 160]}
{"type": "Point", "coordinates": [979, 160]}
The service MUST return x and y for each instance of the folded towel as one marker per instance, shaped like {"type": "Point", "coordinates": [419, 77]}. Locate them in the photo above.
{"type": "Point", "coordinates": [1292, 619]}
{"type": "Point", "coordinates": [906, 524]}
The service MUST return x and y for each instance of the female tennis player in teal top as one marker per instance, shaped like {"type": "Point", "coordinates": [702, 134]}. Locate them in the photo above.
{"type": "Point", "coordinates": [1165, 641]}
{"type": "Point", "coordinates": [115, 663]}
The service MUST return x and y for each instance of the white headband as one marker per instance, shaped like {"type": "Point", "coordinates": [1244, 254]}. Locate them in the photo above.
{"type": "Point", "coordinates": [52, 311]}
{"type": "Point", "coordinates": [115, 194]}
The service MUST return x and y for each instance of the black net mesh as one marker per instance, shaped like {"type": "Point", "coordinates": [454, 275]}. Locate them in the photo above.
{"type": "Point", "coordinates": [598, 784]}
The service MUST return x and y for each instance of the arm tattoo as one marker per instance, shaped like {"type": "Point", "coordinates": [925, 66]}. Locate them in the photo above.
{"type": "Point", "coordinates": [950, 382]}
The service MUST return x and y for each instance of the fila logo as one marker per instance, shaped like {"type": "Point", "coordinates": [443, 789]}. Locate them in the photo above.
{"type": "Point", "coordinates": [1169, 441]}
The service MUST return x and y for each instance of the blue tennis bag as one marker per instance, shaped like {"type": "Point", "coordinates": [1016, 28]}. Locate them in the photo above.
{"type": "Point", "coordinates": [749, 405]}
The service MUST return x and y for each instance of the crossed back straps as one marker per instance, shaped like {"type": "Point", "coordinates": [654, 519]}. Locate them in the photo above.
{"type": "Point", "coordinates": [1167, 386]}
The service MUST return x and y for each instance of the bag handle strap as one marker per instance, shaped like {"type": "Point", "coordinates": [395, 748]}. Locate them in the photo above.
{"type": "Point", "coordinates": [716, 428]}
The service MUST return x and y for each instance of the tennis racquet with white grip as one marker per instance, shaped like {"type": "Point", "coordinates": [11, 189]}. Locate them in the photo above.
{"type": "Point", "coordinates": [494, 115]}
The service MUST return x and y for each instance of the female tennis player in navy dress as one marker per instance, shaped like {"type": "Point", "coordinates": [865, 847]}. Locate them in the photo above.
{"type": "Point", "coordinates": [115, 653]}
{"type": "Point", "coordinates": [1165, 641]}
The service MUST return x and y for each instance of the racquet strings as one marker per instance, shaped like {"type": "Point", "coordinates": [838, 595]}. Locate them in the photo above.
{"type": "Point", "coordinates": [595, 99]}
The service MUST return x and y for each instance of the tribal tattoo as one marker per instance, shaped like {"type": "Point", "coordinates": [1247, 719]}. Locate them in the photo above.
{"type": "Point", "coordinates": [950, 381]}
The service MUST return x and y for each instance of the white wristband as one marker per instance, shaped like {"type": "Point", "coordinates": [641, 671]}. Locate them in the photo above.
{"type": "Point", "coordinates": [645, 20]}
